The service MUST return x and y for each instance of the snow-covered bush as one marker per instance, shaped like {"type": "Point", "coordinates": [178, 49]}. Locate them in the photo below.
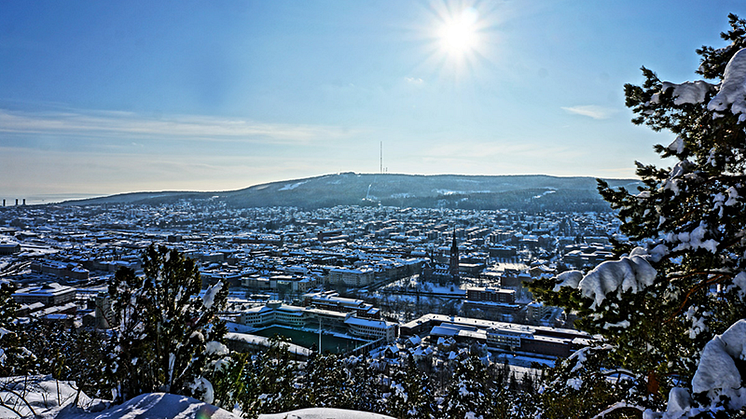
{"type": "Point", "coordinates": [166, 335]}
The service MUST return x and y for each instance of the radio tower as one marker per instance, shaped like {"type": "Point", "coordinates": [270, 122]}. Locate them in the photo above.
{"type": "Point", "coordinates": [380, 158]}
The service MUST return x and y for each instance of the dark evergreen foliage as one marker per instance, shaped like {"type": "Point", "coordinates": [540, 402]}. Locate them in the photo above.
{"type": "Point", "coordinates": [166, 334]}
{"type": "Point", "coordinates": [410, 393]}
{"type": "Point", "coordinates": [325, 383]}
{"type": "Point", "coordinates": [585, 384]}
{"type": "Point", "coordinates": [468, 393]}
{"type": "Point", "coordinates": [268, 381]}
{"type": "Point", "coordinates": [15, 358]}
{"type": "Point", "coordinates": [365, 380]}
{"type": "Point", "coordinates": [688, 223]}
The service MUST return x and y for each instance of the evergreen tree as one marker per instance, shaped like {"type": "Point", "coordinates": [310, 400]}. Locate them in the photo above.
{"type": "Point", "coordinates": [87, 363]}
{"type": "Point", "coordinates": [326, 383]}
{"type": "Point", "coordinates": [468, 394]}
{"type": "Point", "coordinates": [69, 354]}
{"type": "Point", "coordinates": [681, 277]}
{"type": "Point", "coordinates": [268, 384]}
{"type": "Point", "coordinates": [411, 393]}
{"type": "Point", "coordinates": [502, 397]}
{"type": "Point", "coordinates": [229, 381]}
{"type": "Point", "coordinates": [583, 385]}
{"type": "Point", "coordinates": [15, 358]}
{"type": "Point", "coordinates": [365, 383]}
{"type": "Point", "coordinates": [166, 335]}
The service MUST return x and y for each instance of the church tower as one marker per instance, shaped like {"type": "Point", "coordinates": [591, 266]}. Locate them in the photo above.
{"type": "Point", "coordinates": [453, 265]}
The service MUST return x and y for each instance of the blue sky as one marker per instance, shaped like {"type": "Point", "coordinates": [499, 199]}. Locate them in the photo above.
{"type": "Point", "coordinates": [109, 97]}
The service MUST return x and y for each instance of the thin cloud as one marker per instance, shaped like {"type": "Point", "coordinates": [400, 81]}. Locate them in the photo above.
{"type": "Point", "coordinates": [592, 111]}
{"type": "Point", "coordinates": [415, 80]}
{"type": "Point", "coordinates": [127, 124]}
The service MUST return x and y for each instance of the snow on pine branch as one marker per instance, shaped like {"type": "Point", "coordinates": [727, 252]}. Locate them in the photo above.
{"type": "Point", "coordinates": [717, 377]}
{"type": "Point", "coordinates": [693, 240]}
{"type": "Point", "coordinates": [209, 299]}
{"type": "Point", "coordinates": [733, 88]}
{"type": "Point", "coordinates": [739, 283]}
{"type": "Point", "coordinates": [631, 273]}
{"type": "Point", "coordinates": [731, 96]}
{"type": "Point", "coordinates": [718, 372]}
{"type": "Point", "coordinates": [687, 92]}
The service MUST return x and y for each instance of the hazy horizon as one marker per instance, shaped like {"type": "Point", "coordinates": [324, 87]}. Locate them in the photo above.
{"type": "Point", "coordinates": [106, 98]}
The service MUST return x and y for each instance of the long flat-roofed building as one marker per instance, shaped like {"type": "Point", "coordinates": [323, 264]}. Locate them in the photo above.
{"type": "Point", "coordinates": [276, 313]}
{"type": "Point", "coordinates": [9, 247]}
{"type": "Point", "coordinates": [500, 336]}
{"type": "Point", "coordinates": [372, 329]}
{"type": "Point", "coordinates": [495, 295]}
{"type": "Point", "coordinates": [51, 294]}
{"type": "Point", "coordinates": [331, 300]}
{"type": "Point", "coordinates": [57, 268]}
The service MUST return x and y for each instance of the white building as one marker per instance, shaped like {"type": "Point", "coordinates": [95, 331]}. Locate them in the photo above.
{"type": "Point", "coordinates": [51, 294]}
{"type": "Point", "coordinates": [372, 329]}
{"type": "Point", "coordinates": [311, 317]}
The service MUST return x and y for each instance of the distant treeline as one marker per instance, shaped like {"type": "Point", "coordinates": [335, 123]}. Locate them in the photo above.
{"type": "Point", "coordinates": [530, 193]}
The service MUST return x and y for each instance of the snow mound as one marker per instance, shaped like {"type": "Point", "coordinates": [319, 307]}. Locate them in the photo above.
{"type": "Point", "coordinates": [325, 413]}
{"type": "Point", "coordinates": [733, 88]}
{"type": "Point", "coordinates": [40, 395]}
{"type": "Point", "coordinates": [679, 402]}
{"type": "Point", "coordinates": [153, 405]}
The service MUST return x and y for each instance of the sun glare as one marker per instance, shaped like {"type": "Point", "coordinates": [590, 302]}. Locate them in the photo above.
{"type": "Point", "coordinates": [459, 33]}
{"type": "Point", "coordinates": [461, 38]}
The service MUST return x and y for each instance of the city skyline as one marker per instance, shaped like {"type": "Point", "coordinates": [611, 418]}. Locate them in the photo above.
{"type": "Point", "coordinates": [105, 98]}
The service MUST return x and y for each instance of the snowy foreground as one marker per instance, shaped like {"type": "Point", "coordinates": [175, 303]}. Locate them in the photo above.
{"type": "Point", "coordinates": [47, 398]}
{"type": "Point", "coordinates": [325, 413]}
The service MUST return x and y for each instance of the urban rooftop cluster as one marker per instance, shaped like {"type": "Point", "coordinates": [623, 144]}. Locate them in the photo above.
{"type": "Point", "coordinates": [381, 277]}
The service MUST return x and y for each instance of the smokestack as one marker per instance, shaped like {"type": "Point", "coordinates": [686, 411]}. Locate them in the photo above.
{"type": "Point", "coordinates": [16, 201]}
{"type": "Point", "coordinates": [3, 202]}
{"type": "Point", "coordinates": [24, 202]}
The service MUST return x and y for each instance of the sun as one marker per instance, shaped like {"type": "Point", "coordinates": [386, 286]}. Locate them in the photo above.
{"type": "Point", "coordinates": [461, 39]}
{"type": "Point", "coordinates": [458, 33]}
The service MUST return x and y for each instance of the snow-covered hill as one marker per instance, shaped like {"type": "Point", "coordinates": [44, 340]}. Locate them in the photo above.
{"type": "Point", "coordinates": [450, 191]}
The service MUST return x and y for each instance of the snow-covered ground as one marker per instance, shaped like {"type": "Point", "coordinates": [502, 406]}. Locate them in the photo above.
{"type": "Point", "coordinates": [46, 398]}
{"type": "Point", "coordinates": [151, 405]}
{"type": "Point", "coordinates": [325, 413]}
{"type": "Point", "coordinates": [40, 396]}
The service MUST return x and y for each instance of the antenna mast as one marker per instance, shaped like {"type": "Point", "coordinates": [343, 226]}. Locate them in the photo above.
{"type": "Point", "coordinates": [380, 158]}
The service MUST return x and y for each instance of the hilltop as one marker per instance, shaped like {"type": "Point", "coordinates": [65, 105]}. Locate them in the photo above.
{"type": "Point", "coordinates": [524, 192]}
